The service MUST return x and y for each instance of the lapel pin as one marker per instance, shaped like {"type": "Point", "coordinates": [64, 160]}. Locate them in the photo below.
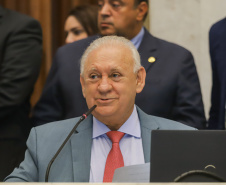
{"type": "Point", "coordinates": [151, 59]}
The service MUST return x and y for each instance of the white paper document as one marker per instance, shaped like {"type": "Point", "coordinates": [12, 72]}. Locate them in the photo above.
{"type": "Point", "coordinates": [134, 173]}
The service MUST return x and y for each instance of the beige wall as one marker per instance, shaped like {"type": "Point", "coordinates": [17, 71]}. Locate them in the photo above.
{"type": "Point", "coordinates": [187, 22]}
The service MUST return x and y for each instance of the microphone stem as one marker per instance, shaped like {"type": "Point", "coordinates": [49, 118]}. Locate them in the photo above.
{"type": "Point", "coordinates": [84, 116]}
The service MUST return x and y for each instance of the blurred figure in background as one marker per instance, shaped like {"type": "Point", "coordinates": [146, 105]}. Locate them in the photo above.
{"type": "Point", "coordinates": [20, 61]}
{"type": "Point", "coordinates": [172, 86]}
{"type": "Point", "coordinates": [217, 44]}
{"type": "Point", "coordinates": [81, 23]}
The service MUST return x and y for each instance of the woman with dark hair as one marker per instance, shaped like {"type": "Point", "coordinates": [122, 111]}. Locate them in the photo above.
{"type": "Point", "coordinates": [81, 23]}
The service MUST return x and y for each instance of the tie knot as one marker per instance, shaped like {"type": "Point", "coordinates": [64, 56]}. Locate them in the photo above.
{"type": "Point", "coordinates": [115, 136]}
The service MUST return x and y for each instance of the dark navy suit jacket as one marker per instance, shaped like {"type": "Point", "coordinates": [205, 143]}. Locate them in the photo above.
{"type": "Point", "coordinates": [172, 87]}
{"type": "Point", "coordinates": [217, 41]}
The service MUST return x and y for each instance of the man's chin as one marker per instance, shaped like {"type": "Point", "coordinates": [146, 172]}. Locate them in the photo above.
{"type": "Point", "coordinates": [104, 112]}
{"type": "Point", "coordinates": [107, 32]}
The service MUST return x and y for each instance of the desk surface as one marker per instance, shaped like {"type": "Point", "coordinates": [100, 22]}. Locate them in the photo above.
{"type": "Point", "coordinates": [63, 183]}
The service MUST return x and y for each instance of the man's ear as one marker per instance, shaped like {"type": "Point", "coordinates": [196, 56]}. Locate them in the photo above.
{"type": "Point", "coordinates": [141, 76]}
{"type": "Point", "coordinates": [142, 9]}
{"type": "Point", "coordinates": [83, 85]}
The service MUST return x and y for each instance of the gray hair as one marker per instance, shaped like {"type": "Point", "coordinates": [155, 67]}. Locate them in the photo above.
{"type": "Point", "coordinates": [111, 41]}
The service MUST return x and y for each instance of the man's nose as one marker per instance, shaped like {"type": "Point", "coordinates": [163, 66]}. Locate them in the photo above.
{"type": "Point", "coordinates": [105, 10]}
{"type": "Point", "coordinates": [104, 85]}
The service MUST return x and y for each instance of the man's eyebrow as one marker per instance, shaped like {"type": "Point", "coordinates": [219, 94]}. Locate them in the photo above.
{"type": "Point", "coordinates": [115, 69]}
{"type": "Point", "coordinates": [92, 69]}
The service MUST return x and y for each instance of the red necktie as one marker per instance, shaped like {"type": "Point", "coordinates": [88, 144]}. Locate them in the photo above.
{"type": "Point", "coordinates": [115, 158]}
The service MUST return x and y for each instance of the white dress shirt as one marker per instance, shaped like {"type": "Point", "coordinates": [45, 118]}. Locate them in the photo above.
{"type": "Point", "coordinates": [130, 145]}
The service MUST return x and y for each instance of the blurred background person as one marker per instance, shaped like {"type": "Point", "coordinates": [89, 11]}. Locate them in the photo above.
{"type": "Point", "coordinates": [20, 61]}
{"type": "Point", "coordinates": [172, 86]}
{"type": "Point", "coordinates": [217, 46]}
{"type": "Point", "coordinates": [81, 23]}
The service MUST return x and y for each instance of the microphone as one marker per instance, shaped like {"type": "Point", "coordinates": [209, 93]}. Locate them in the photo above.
{"type": "Point", "coordinates": [84, 116]}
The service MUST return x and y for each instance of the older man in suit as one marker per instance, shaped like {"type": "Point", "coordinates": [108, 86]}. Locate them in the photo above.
{"type": "Point", "coordinates": [20, 61]}
{"type": "Point", "coordinates": [172, 86]}
{"type": "Point", "coordinates": [111, 76]}
{"type": "Point", "coordinates": [217, 42]}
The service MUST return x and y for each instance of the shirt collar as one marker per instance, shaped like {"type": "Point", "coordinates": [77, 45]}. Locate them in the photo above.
{"type": "Point", "coordinates": [130, 127]}
{"type": "Point", "coordinates": [138, 38]}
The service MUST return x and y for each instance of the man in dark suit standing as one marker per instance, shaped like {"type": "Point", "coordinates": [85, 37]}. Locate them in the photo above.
{"type": "Point", "coordinates": [217, 44]}
{"type": "Point", "coordinates": [172, 86]}
{"type": "Point", "coordinates": [20, 59]}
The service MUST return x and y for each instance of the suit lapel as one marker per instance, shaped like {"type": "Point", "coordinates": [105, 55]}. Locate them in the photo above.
{"type": "Point", "coordinates": [147, 125]}
{"type": "Point", "coordinates": [147, 50]}
{"type": "Point", "coordinates": [81, 144]}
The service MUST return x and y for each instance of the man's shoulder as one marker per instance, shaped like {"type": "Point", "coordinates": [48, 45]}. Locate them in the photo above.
{"type": "Point", "coordinates": [162, 44]}
{"type": "Point", "coordinates": [15, 23]}
{"type": "Point", "coordinates": [72, 53]}
{"type": "Point", "coordinates": [154, 122]}
{"type": "Point", "coordinates": [166, 124]}
{"type": "Point", "coordinates": [16, 17]}
{"type": "Point", "coordinates": [57, 126]}
{"type": "Point", "coordinates": [64, 126]}
{"type": "Point", "coordinates": [77, 46]}
{"type": "Point", "coordinates": [218, 27]}
{"type": "Point", "coordinates": [219, 23]}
